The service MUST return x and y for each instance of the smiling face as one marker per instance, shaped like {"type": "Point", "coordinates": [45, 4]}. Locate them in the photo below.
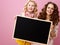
{"type": "Point", "coordinates": [50, 9]}
{"type": "Point", "coordinates": [30, 7]}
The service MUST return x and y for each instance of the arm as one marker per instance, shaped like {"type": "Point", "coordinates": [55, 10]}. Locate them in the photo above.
{"type": "Point", "coordinates": [54, 31]}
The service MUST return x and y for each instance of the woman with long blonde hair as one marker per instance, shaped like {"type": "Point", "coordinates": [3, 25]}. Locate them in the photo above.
{"type": "Point", "coordinates": [30, 10]}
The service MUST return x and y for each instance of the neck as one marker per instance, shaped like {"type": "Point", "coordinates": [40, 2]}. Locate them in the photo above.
{"type": "Point", "coordinates": [48, 17]}
{"type": "Point", "coordinates": [29, 14]}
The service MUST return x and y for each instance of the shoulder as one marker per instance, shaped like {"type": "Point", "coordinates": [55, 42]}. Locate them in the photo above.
{"type": "Point", "coordinates": [22, 14]}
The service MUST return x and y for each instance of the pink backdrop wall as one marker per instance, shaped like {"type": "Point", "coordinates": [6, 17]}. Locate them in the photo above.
{"type": "Point", "coordinates": [11, 8]}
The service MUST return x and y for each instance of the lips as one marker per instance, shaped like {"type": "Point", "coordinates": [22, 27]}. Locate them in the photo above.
{"type": "Point", "coordinates": [30, 8]}
{"type": "Point", "coordinates": [49, 11]}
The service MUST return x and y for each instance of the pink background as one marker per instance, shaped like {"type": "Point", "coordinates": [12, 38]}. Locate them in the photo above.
{"type": "Point", "coordinates": [8, 10]}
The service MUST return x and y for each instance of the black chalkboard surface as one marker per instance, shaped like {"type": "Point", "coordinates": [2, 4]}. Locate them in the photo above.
{"type": "Point", "coordinates": [34, 30]}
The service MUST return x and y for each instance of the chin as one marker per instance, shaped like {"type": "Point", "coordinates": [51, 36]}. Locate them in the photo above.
{"type": "Point", "coordinates": [48, 13]}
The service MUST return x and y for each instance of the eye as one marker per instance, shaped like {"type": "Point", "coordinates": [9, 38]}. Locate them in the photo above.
{"type": "Point", "coordinates": [33, 5]}
{"type": "Point", "coordinates": [29, 4]}
{"type": "Point", "coordinates": [52, 8]}
{"type": "Point", "coordinates": [48, 7]}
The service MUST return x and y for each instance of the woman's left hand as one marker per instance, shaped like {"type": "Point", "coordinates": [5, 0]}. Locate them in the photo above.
{"type": "Point", "coordinates": [52, 34]}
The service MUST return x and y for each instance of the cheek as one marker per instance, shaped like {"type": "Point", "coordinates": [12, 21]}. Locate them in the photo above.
{"type": "Point", "coordinates": [47, 11]}
{"type": "Point", "coordinates": [28, 8]}
{"type": "Point", "coordinates": [52, 11]}
{"type": "Point", "coordinates": [33, 8]}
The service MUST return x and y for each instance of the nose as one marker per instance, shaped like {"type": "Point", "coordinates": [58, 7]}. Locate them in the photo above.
{"type": "Point", "coordinates": [50, 9]}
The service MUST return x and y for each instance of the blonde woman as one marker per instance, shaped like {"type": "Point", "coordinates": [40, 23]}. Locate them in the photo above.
{"type": "Point", "coordinates": [30, 10]}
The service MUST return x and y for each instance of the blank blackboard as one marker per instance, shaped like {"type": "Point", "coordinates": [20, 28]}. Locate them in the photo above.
{"type": "Point", "coordinates": [34, 30]}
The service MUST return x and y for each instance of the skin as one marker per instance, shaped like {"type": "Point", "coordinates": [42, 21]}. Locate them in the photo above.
{"type": "Point", "coordinates": [30, 7]}
{"type": "Point", "coordinates": [49, 11]}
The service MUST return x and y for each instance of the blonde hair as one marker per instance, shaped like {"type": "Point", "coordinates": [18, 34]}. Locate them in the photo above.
{"type": "Point", "coordinates": [35, 9]}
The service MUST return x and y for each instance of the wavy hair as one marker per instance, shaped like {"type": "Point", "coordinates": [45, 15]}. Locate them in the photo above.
{"type": "Point", "coordinates": [35, 9]}
{"type": "Point", "coordinates": [54, 15]}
